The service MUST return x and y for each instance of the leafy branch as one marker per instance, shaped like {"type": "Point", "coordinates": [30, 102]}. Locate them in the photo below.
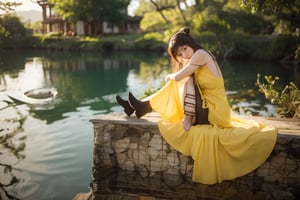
{"type": "Point", "coordinates": [287, 100]}
{"type": "Point", "coordinates": [8, 6]}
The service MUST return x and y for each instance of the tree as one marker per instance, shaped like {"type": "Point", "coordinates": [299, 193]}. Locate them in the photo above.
{"type": "Point", "coordinates": [113, 11]}
{"type": "Point", "coordinates": [160, 6]}
{"type": "Point", "coordinates": [8, 7]}
{"type": "Point", "coordinates": [11, 28]}
{"type": "Point", "coordinates": [145, 6]}
{"type": "Point", "coordinates": [164, 14]}
{"type": "Point", "coordinates": [178, 3]}
{"type": "Point", "coordinates": [283, 10]}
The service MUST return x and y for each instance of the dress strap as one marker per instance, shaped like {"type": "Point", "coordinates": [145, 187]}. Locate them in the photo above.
{"type": "Point", "coordinates": [215, 61]}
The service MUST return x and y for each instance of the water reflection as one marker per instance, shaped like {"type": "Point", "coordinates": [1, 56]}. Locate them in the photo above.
{"type": "Point", "coordinates": [132, 185]}
{"type": "Point", "coordinates": [58, 154]}
{"type": "Point", "coordinates": [46, 152]}
{"type": "Point", "coordinates": [82, 80]}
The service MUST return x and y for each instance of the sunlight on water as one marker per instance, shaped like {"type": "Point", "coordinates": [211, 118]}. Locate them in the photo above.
{"type": "Point", "coordinates": [133, 81]}
{"type": "Point", "coordinates": [33, 76]}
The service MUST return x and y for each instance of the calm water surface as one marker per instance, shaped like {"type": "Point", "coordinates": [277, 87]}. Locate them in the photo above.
{"type": "Point", "coordinates": [46, 151]}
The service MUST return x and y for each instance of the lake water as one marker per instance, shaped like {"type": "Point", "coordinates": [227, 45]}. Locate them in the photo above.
{"type": "Point", "coordinates": [46, 151]}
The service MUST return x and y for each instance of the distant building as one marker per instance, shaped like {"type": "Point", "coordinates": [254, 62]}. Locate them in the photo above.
{"type": "Point", "coordinates": [52, 22]}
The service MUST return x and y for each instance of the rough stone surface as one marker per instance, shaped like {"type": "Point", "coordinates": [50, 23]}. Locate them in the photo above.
{"type": "Point", "coordinates": [131, 158]}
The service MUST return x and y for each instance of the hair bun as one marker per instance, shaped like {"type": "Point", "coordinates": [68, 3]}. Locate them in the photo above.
{"type": "Point", "coordinates": [185, 30]}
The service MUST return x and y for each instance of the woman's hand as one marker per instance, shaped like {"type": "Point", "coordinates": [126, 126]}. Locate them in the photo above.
{"type": "Point", "coordinates": [169, 77]}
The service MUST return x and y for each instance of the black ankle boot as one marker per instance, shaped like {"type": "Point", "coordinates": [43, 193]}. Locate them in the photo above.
{"type": "Point", "coordinates": [141, 107]}
{"type": "Point", "coordinates": [125, 104]}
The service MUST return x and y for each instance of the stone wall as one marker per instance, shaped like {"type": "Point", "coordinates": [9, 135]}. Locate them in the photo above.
{"type": "Point", "coordinates": [132, 159]}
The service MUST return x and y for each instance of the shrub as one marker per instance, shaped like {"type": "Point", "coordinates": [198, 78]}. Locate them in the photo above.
{"type": "Point", "coordinates": [11, 28]}
{"type": "Point", "coordinates": [151, 41]}
{"type": "Point", "coordinates": [288, 100]}
{"type": "Point", "coordinates": [208, 40]}
{"type": "Point", "coordinates": [268, 47]}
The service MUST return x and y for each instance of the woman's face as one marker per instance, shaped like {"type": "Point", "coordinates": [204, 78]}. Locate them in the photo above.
{"type": "Point", "coordinates": [185, 52]}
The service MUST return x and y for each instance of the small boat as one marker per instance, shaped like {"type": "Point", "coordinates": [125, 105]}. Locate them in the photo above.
{"type": "Point", "coordinates": [40, 96]}
{"type": "Point", "coordinates": [43, 93]}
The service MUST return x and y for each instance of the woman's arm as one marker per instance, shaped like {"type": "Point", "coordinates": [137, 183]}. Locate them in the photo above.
{"type": "Point", "coordinates": [198, 59]}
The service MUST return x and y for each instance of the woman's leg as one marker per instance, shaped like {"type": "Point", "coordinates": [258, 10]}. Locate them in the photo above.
{"type": "Point", "coordinates": [126, 106]}
{"type": "Point", "coordinates": [141, 108]}
{"type": "Point", "coordinates": [189, 104]}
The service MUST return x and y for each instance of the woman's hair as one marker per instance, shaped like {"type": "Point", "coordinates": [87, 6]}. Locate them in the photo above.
{"type": "Point", "coordinates": [182, 37]}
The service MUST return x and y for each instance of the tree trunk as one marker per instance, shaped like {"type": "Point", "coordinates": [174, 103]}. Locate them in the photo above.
{"type": "Point", "coordinates": [160, 10]}
{"type": "Point", "coordinates": [182, 13]}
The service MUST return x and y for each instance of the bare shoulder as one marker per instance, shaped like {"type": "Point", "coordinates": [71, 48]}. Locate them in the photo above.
{"type": "Point", "coordinates": [200, 57]}
{"type": "Point", "coordinates": [201, 52]}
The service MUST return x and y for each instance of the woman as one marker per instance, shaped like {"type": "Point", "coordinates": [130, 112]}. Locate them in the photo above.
{"type": "Point", "coordinates": [223, 147]}
{"type": "Point", "coordinates": [182, 48]}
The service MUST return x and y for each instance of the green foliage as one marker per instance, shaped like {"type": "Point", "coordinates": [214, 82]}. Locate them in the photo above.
{"type": "Point", "coordinates": [207, 39]}
{"type": "Point", "coordinates": [144, 7]}
{"type": "Point", "coordinates": [226, 28]}
{"type": "Point", "coordinates": [151, 41]}
{"type": "Point", "coordinates": [3, 33]}
{"type": "Point", "coordinates": [152, 21]}
{"type": "Point", "coordinates": [11, 29]}
{"type": "Point", "coordinates": [154, 35]}
{"type": "Point", "coordinates": [216, 16]}
{"type": "Point", "coordinates": [245, 22]}
{"type": "Point", "coordinates": [225, 20]}
{"type": "Point", "coordinates": [89, 10]}
{"type": "Point", "coordinates": [67, 43]}
{"type": "Point", "coordinates": [148, 92]}
{"type": "Point", "coordinates": [120, 38]}
{"type": "Point", "coordinates": [151, 90]}
{"type": "Point", "coordinates": [288, 100]}
{"type": "Point", "coordinates": [287, 10]}
{"type": "Point", "coordinates": [215, 24]}
{"type": "Point", "coordinates": [269, 47]}
{"type": "Point", "coordinates": [38, 25]}
{"type": "Point", "coordinates": [8, 6]}
{"type": "Point", "coordinates": [284, 44]}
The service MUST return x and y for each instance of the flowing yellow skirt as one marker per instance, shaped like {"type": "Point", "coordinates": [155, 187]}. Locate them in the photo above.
{"type": "Point", "coordinates": [221, 153]}
{"type": "Point", "coordinates": [218, 153]}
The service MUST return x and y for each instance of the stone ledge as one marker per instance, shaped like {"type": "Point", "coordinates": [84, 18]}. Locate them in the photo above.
{"type": "Point", "coordinates": [149, 119]}
{"type": "Point", "coordinates": [127, 149]}
{"type": "Point", "coordinates": [284, 125]}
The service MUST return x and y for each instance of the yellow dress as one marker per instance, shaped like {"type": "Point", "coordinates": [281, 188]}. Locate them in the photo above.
{"type": "Point", "coordinates": [226, 148]}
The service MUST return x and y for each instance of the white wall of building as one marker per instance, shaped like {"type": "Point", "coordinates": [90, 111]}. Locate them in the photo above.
{"type": "Point", "coordinates": [108, 28]}
{"type": "Point", "coordinates": [80, 28]}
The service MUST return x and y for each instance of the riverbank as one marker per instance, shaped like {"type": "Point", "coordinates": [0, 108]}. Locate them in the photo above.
{"type": "Point", "coordinates": [231, 46]}
{"type": "Point", "coordinates": [132, 42]}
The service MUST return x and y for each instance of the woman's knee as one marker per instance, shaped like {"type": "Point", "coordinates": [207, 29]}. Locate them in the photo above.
{"type": "Point", "coordinates": [189, 85]}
